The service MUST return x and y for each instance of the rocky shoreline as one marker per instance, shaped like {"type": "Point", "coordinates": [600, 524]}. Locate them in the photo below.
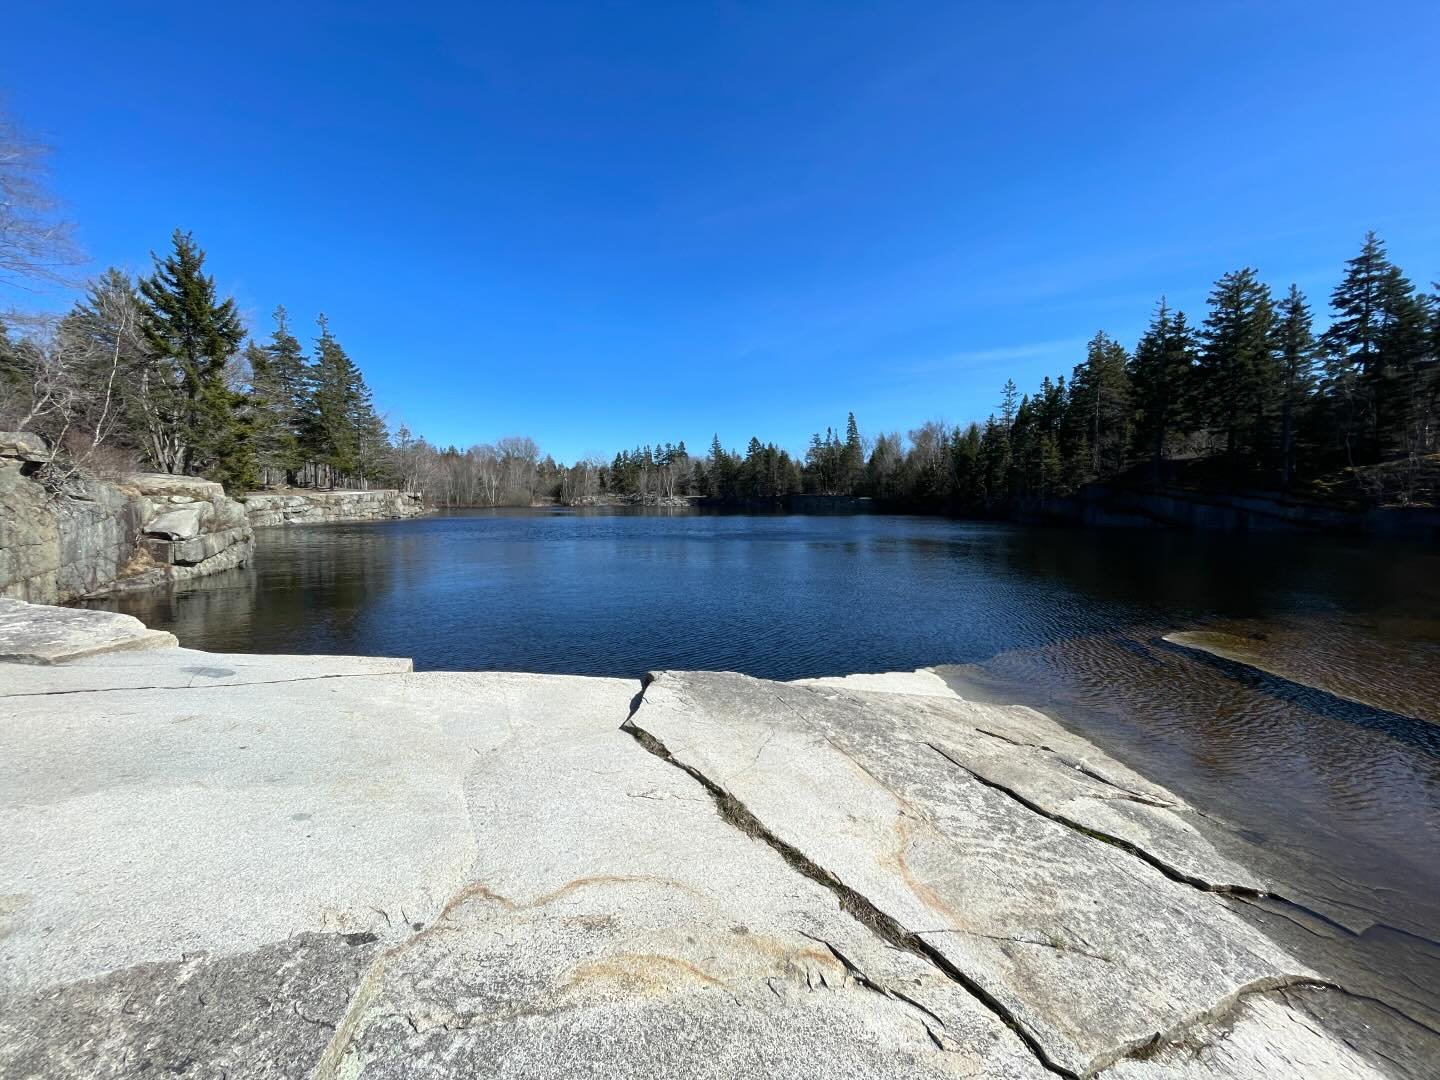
{"type": "Point", "coordinates": [97, 537]}
{"type": "Point", "coordinates": [304, 507]}
{"type": "Point", "coordinates": [270, 866]}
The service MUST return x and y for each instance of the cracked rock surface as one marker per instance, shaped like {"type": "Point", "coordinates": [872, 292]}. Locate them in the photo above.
{"type": "Point", "coordinates": [226, 866]}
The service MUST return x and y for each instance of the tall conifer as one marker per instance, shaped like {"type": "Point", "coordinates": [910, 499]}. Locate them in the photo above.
{"type": "Point", "coordinates": [198, 334]}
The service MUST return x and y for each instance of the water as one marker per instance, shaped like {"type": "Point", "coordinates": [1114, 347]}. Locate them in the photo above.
{"type": "Point", "coordinates": [1331, 764]}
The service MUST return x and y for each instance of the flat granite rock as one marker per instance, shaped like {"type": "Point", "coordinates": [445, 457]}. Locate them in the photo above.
{"type": "Point", "coordinates": [186, 669]}
{"type": "Point", "coordinates": [40, 634]}
{"type": "Point", "coordinates": [923, 682]}
{"type": "Point", "coordinates": [325, 867]}
{"type": "Point", "coordinates": [542, 895]}
{"type": "Point", "coordinates": [1094, 953]}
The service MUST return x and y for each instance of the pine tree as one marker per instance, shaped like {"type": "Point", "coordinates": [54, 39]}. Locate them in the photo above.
{"type": "Point", "coordinates": [1354, 371]}
{"type": "Point", "coordinates": [1098, 414]}
{"type": "Point", "coordinates": [1294, 348]}
{"type": "Point", "coordinates": [1160, 373]}
{"type": "Point", "coordinates": [186, 325]}
{"type": "Point", "coordinates": [228, 446]}
{"type": "Point", "coordinates": [853, 457]}
{"type": "Point", "coordinates": [372, 440]}
{"type": "Point", "coordinates": [267, 417]}
{"type": "Point", "coordinates": [1402, 419]}
{"type": "Point", "coordinates": [332, 439]}
{"type": "Point", "coordinates": [718, 475]}
{"type": "Point", "coordinates": [1237, 375]}
{"type": "Point", "coordinates": [289, 383]}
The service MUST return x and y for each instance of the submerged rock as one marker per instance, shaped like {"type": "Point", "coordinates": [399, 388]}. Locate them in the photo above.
{"type": "Point", "coordinates": [273, 866]}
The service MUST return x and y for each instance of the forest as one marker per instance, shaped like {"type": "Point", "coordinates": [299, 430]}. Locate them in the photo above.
{"type": "Point", "coordinates": [159, 372]}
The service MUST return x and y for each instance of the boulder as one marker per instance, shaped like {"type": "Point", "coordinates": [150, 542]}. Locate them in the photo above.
{"type": "Point", "coordinates": [39, 634]}
{"type": "Point", "coordinates": [182, 523]}
{"type": "Point", "coordinates": [23, 446]}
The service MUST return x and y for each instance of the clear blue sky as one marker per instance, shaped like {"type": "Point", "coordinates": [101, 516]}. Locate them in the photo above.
{"type": "Point", "coordinates": [599, 224]}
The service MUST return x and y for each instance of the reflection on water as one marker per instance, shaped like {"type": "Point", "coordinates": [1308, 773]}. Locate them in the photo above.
{"type": "Point", "coordinates": [1068, 621]}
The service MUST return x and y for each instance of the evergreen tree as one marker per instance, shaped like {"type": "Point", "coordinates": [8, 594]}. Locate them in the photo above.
{"type": "Point", "coordinates": [853, 458]}
{"type": "Point", "coordinates": [288, 377]}
{"type": "Point", "coordinates": [1098, 415]}
{"type": "Point", "coordinates": [228, 447]}
{"type": "Point", "coordinates": [268, 432]}
{"type": "Point", "coordinates": [720, 474]}
{"type": "Point", "coordinates": [332, 439]}
{"type": "Point", "coordinates": [1401, 390]}
{"type": "Point", "coordinates": [1294, 348]}
{"type": "Point", "coordinates": [1354, 371]}
{"type": "Point", "coordinates": [1160, 373]}
{"type": "Point", "coordinates": [372, 440]}
{"type": "Point", "coordinates": [1237, 375]}
{"type": "Point", "coordinates": [186, 325]}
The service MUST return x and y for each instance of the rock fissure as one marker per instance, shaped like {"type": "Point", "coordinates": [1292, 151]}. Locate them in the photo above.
{"type": "Point", "coordinates": [1084, 770]}
{"type": "Point", "coordinates": [1059, 945]}
{"type": "Point", "coordinates": [1170, 871]}
{"type": "Point", "coordinates": [206, 686]}
{"type": "Point", "coordinates": [1222, 1010]}
{"type": "Point", "coordinates": [853, 903]}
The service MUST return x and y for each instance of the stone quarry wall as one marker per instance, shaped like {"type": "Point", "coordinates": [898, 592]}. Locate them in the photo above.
{"type": "Point", "coordinates": [265, 509]}
{"type": "Point", "coordinates": [100, 536]}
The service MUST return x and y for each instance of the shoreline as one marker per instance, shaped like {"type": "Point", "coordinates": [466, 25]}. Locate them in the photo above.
{"type": "Point", "coordinates": [470, 871]}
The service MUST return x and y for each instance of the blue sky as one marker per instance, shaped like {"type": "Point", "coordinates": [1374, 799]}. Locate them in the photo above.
{"type": "Point", "coordinates": [607, 224]}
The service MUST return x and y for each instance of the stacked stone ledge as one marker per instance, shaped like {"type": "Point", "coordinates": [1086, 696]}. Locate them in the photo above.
{"type": "Point", "coordinates": [96, 537]}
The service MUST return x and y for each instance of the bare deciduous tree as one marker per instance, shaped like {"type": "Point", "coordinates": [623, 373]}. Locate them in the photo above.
{"type": "Point", "coordinates": [34, 244]}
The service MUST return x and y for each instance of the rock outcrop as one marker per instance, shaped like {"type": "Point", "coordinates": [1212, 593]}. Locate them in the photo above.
{"type": "Point", "coordinates": [265, 509]}
{"type": "Point", "coordinates": [336, 867]}
{"type": "Point", "coordinates": [95, 537]}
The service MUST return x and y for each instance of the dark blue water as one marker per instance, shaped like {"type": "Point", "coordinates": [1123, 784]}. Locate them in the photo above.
{"type": "Point", "coordinates": [1067, 620]}
{"type": "Point", "coordinates": [779, 597]}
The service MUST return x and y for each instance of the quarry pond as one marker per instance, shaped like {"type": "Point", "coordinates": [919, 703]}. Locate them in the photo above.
{"type": "Point", "coordinates": [1289, 686]}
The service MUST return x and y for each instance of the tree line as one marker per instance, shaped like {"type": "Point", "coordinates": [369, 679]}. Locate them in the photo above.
{"type": "Point", "coordinates": [1252, 397]}
{"type": "Point", "coordinates": [159, 371]}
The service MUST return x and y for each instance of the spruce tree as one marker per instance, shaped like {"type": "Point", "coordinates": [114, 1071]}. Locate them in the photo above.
{"type": "Point", "coordinates": [197, 334]}
{"type": "Point", "coordinates": [1098, 414]}
{"type": "Point", "coordinates": [1160, 373]}
{"type": "Point", "coordinates": [853, 460]}
{"type": "Point", "coordinates": [1402, 419]}
{"type": "Point", "coordinates": [331, 436]}
{"type": "Point", "coordinates": [289, 379]}
{"type": "Point", "coordinates": [1294, 349]}
{"type": "Point", "coordinates": [1354, 371]}
{"type": "Point", "coordinates": [372, 440]}
{"type": "Point", "coordinates": [267, 417]}
{"type": "Point", "coordinates": [1237, 375]}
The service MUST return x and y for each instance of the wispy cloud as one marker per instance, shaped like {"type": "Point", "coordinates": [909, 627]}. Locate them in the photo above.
{"type": "Point", "coordinates": [981, 360]}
